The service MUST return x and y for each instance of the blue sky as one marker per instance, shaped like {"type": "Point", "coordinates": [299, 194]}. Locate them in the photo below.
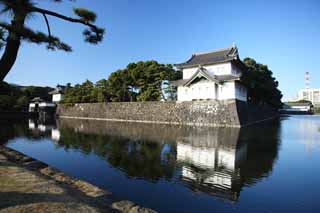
{"type": "Point", "coordinates": [282, 34]}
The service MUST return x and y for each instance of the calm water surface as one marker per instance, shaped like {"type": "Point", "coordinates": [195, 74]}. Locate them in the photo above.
{"type": "Point", "coordinates": [274, 167]}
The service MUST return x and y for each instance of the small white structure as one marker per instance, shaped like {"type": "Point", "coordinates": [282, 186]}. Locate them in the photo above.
{"type": "Point", "coordinates": [309, 94]}
{"type": "Point", "coordinates": [57, 93]}
{"type": "Point", "coordinates": [37, 105]}
{"type": "Point", "coordinates": [212, 76]}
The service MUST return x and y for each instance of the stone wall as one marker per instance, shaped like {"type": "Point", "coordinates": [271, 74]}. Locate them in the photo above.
{"type": "Point", "coordinates": [230, 113]}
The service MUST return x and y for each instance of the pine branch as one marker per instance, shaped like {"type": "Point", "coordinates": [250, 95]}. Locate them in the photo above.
{"type": "Point", "coordinates": [48, 27]}
{"type": "Point", "coordinates": [66, 18]}
{"type": "Point", "coordinates": [92, 35]}
{"type": "Point", "coordinates": [29, 35]}
{"type": "Point", "coordinates": [47, 23]}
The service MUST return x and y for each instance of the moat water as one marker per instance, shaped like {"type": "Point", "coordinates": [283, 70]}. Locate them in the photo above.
{"type": "Point", "coordinates": [274, 167]}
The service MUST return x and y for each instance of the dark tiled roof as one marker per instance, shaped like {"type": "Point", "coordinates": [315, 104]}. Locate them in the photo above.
{"type": "Point", "coordinates": [227, 77]}
{"type": "Point", "coordinates": [214, 57]}
{"type": "Point", "coordinates": [207, 75]}
{"type": "Point", "coordinates": [179, 82]}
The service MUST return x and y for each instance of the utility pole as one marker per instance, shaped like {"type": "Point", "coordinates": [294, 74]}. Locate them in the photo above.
{"type": "Point", "coordinates": [307, 80]}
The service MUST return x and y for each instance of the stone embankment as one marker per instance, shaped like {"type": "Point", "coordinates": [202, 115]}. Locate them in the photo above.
{"type": "Point", "coordinates": [230, 113]}
{"type": "Point", "coordinates": [27, 185]}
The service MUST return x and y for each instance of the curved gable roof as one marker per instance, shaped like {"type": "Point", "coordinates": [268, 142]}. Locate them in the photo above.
{"type": "Point", "coordinates": [213, 57]}
{"type": "Point", "coordinates": [201, 72]}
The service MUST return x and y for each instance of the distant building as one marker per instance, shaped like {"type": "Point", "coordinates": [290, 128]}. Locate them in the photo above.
{"type": "Point", "coordinates": [297, 108]}
{"type": "Point", "coordinates": [212, 76]}
{"type": "Point", "coordinates": [310, 94]}
{"type": "Point", "coordinates": [57, 93]}
{"type": "Point", "coordinates": [45, 110]}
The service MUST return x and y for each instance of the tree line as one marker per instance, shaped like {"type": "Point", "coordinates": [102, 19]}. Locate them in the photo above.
{"type": "Point", "coordinates": [141, 81]}
{"type": "Point", "coordinates": [17, 98]}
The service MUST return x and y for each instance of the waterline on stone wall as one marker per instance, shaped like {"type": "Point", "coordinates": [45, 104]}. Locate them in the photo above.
{"type": "Point", "coordinates": [154, 122]}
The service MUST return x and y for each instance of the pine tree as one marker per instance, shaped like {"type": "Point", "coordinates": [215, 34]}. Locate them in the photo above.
{"type": "Point", "coordinates": [14, 32]}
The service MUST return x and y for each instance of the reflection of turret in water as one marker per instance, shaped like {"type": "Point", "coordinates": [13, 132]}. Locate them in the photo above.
{"type": "Point", "coordinates": [44, 127]}
{"type": "Point", "coordinates": [210, 161]}
{"type": "Point", "coordinates": [55, 134]}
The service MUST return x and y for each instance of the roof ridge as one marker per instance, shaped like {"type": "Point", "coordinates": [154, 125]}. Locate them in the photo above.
{"type": "Point", "coordinates": [212, 51]}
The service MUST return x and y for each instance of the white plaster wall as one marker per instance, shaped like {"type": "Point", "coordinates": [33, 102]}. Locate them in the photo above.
{"type": "Point", "coordinates": [200, 90]}
{"type": "Point", "coordinates": [227, 91]}
{"type": "Point", "coordinates": [57, 97]}
{"type": "Point", "coordinates": [218, 69]}
{"type": "Point", "coordinates": [206, 90]}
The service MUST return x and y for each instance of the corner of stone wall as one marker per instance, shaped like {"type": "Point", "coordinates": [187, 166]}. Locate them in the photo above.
{"type": "Point", "coordinates": [242, 112]}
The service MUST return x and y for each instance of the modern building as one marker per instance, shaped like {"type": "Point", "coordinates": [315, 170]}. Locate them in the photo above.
{"type": "Point", "coordinates": [57, 93]}
{"type": "Point", "coordinates": [212, 76]}
{"type": "Point", "coordinates": [297, 108]}
{"type": "Point", "coordinates": [310, 94]}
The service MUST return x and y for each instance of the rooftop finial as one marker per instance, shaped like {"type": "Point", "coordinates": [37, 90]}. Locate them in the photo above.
{"type": "Point", "coordinates": [234, 45]}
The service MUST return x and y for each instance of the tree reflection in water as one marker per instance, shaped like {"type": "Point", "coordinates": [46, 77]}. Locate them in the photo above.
{"type": "Point", "coordinates": [215, 161]}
